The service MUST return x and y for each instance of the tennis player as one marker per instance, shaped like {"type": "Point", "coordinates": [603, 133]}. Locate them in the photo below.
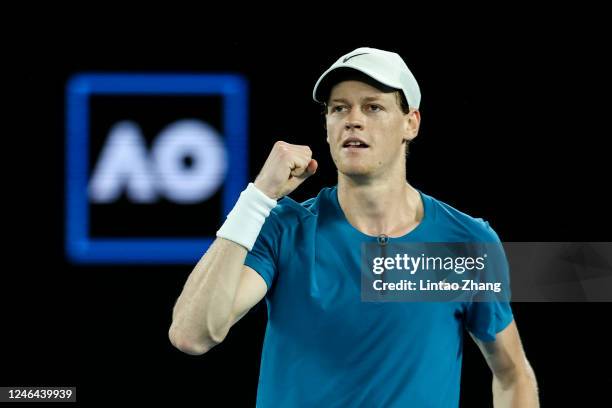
{"type": "Point", "coordinates": [324, 346]}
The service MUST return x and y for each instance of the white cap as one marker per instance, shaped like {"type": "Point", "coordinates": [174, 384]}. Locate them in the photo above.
{"type": "Point", "coordinates": [386, 67]}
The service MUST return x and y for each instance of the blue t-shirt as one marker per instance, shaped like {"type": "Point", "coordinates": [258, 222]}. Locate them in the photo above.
{"type": "Point", "coordinates": [324, 347]}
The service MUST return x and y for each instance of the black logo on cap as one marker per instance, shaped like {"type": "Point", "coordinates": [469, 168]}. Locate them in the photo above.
{"type": "Point", "coordinates": [352, 56]}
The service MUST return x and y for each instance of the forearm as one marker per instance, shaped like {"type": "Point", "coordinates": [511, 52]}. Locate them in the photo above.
{"type": "Point", "coordinates": [202, 315]}
{"type": "Point", "coordinates": [516, 391]}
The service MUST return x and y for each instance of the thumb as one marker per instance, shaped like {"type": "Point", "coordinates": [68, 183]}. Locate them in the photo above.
{"type": "Point", "coordinates": [311, 168]}
{"type": "Point", "coordinates": [306, 172]}
{"type": "Point", "coordinates": [295, 181]}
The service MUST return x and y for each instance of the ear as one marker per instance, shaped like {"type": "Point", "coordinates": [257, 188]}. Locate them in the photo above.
{"type": "Point", "coordinates": [412, 121]}
{"type": "Point", "coordinates": [325, 127]}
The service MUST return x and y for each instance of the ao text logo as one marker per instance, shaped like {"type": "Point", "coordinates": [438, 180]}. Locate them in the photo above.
{"type": "Point", "coordinates": [154, 162]}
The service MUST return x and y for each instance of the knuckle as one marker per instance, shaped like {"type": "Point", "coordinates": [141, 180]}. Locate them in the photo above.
{"type": "Point", "coordinates": [280, 145]}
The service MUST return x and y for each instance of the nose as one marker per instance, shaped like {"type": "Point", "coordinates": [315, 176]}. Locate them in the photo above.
{"type": "Point", "coordinates": [353, 121]}
{"type": "Point", "coordinates": [353, 124]}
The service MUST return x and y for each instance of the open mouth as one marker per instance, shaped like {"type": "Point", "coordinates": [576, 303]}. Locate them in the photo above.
{"type": "Point", "coordinates": [355, 144]}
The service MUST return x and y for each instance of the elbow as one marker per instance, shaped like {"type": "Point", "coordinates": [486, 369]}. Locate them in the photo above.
{"type": "Point", "coordinates": [526, 371]}
{"type": "Point", "coordinates": [523, 375]}
{"type": "Point", "coordinates": [528, 376]}
{"type": "Point", "coordinates": [189, 344]}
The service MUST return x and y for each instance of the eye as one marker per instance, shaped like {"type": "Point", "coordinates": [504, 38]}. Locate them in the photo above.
{"type": "Point", "coordinates": [375, 108]}
{"type": "Point", "coordinates": [338, 108]}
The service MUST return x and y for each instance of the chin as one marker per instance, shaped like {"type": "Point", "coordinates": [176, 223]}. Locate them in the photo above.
{"type": "Point", "coordinates": [354, 166]}
{"type": "Point", "coordinates": [354, 170]}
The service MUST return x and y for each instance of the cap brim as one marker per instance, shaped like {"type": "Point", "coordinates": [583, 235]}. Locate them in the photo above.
{"type": "Point", "coordinates": [334, 75]}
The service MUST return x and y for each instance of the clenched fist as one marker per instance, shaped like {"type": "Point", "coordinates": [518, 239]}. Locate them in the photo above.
{"type": "Point", "coordinates": [286, 167]}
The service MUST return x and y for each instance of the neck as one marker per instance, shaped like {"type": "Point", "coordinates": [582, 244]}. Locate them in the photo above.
{"type": "Point", "coordinates": [389, 206]}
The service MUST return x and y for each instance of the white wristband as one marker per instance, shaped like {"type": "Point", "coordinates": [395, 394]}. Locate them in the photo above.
{"type": "Point", "coordinates": [247, 217]}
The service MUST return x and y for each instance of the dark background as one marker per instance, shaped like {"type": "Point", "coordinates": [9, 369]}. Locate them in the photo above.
{"type": "Point", "coordinates": [514, 130]}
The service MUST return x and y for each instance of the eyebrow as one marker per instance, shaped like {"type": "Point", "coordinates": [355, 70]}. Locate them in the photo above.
{"type": "Point", "coordinates": [366, 99]}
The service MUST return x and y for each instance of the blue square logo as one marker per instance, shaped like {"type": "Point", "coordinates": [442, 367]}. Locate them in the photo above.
{"type": "Point", "coordinates": [172, 149]}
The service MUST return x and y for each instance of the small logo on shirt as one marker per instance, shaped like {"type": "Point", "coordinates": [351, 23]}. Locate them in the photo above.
{"type": "Point", "coordinates": [383, 239]}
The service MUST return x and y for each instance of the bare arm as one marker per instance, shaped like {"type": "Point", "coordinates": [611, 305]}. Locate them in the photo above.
{"type": "Point", "coordinates": [514, 382]}
{"type": "Point", "coordinates": [219, 291]}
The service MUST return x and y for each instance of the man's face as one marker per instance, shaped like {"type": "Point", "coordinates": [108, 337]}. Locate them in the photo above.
{"type": "Point", "coordinates": [365, 129]}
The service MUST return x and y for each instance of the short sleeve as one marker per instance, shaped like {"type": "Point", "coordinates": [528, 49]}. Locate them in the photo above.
{"type": "Point", "coordinates": [485, 318]}
{"type": "Point", "coordinates": [264, 255]}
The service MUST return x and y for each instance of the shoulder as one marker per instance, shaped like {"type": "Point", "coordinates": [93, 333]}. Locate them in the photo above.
{"type": "Point", "coordinates": [471, 227]}
{"type": "Point", "coordinates": [288, 210]}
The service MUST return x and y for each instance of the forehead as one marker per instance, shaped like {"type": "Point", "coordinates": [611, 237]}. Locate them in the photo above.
{"type": "Point", "coordinates": [357, 90]}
